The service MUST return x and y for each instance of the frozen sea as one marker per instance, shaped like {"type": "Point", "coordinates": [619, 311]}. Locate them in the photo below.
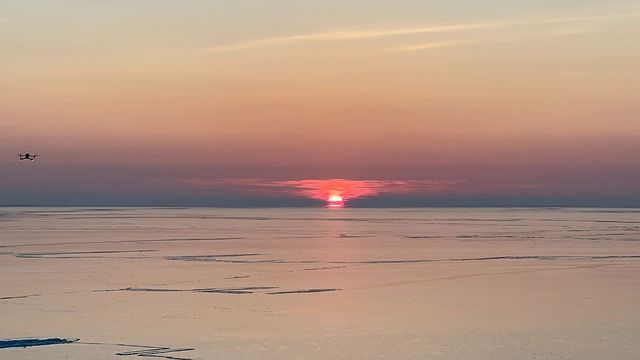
{"type": "Point", "coordinates": [208, 283]}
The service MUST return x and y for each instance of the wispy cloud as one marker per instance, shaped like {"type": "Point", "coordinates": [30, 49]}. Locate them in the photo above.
{"type": "Point", "coordinates": [351, 35]}
{"type": "Point", "coordinates": [431, 45]}
{"type": "Point", "coordinates": [348, 35]}
{"type": "Point", "coordinates": [565, 30]}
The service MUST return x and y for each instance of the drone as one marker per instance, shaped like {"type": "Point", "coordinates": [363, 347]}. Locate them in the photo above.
{"type": "Point", "coordinates": [27, 156]}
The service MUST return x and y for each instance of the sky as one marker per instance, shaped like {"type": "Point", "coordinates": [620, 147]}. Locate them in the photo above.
{"type": "Point", "coordinates": [284, 102]}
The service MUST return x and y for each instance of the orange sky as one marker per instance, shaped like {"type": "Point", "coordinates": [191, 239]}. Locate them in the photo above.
{"type": "Point", "coordinates": [291, 90]}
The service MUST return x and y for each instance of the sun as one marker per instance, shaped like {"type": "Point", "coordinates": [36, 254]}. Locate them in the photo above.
{"type": "Point", "coordinates": [335, 201]}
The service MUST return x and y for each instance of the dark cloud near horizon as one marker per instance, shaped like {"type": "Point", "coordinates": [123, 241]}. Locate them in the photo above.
{"type": "Point", "coordinates": [42, 184]}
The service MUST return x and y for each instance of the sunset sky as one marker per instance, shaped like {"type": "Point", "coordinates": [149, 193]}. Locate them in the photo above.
{"type": "Point", "coordinates": [184, 102]}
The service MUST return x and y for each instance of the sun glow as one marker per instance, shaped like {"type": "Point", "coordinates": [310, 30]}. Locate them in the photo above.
{"type": "Point", "coordinates": [335, 193]}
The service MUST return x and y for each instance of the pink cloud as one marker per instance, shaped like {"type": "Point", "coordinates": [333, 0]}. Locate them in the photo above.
{"type": "Point", "coordinates": [324, 189]}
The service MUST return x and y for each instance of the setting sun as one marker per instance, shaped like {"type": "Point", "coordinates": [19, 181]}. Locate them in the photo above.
{"type": "Point", "coordinates": [335, 201]}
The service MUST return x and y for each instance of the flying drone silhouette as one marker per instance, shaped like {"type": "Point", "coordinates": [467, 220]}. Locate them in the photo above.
{"type": "Point", "coordinates": [27, 156]}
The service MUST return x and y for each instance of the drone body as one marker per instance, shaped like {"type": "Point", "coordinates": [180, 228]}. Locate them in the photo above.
{"type": "Point", "coordinates": [27, 156]}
